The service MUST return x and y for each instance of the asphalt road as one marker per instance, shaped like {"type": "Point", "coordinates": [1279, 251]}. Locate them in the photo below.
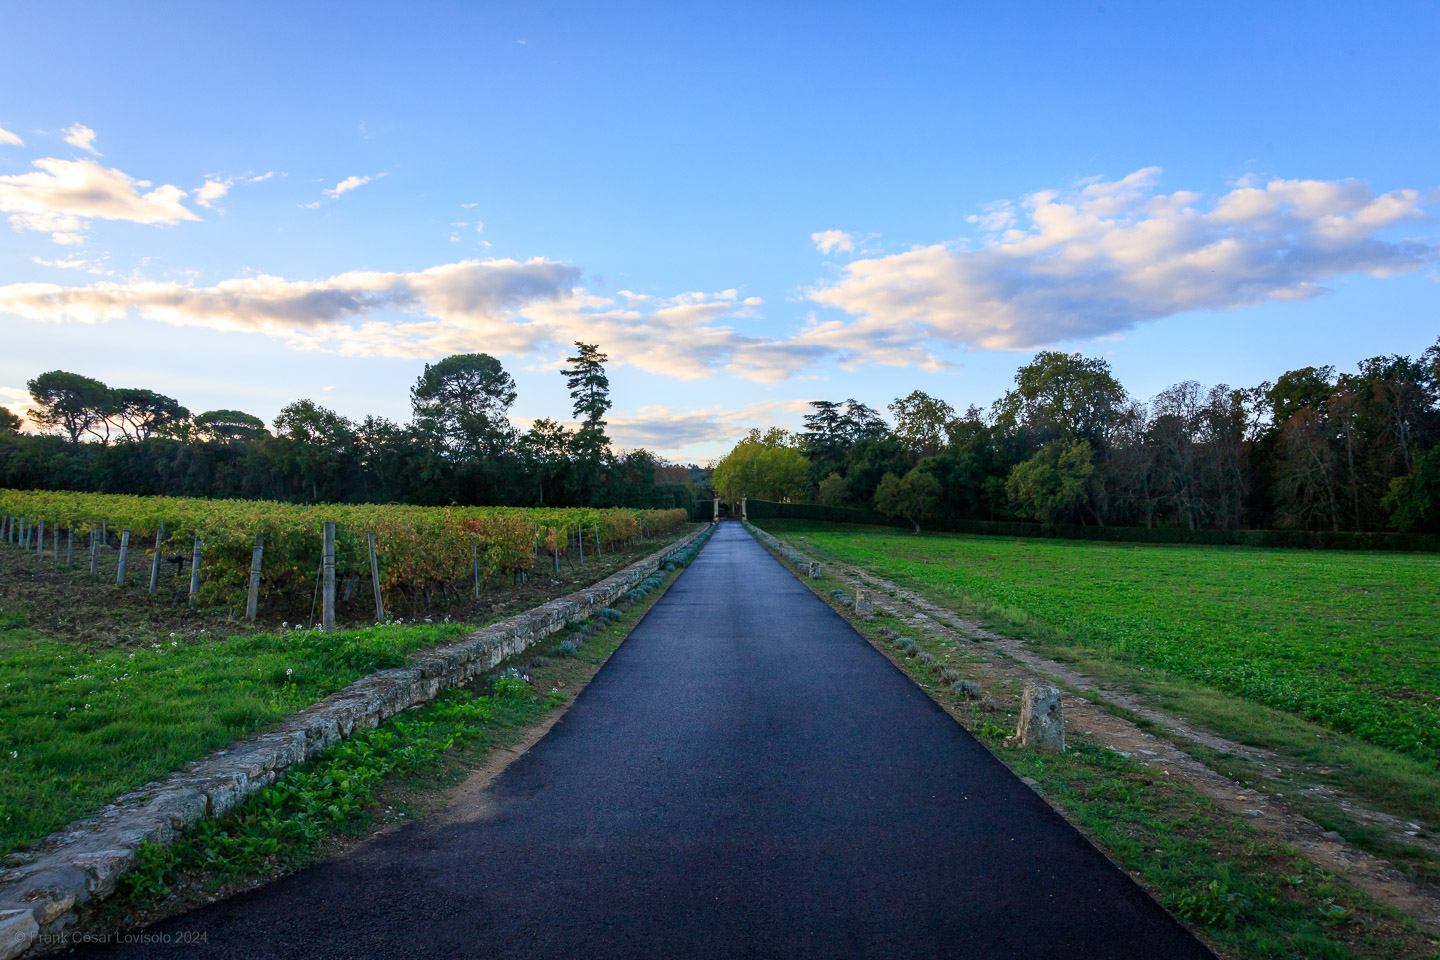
{"type": "Point", "coordinates": [746, 777]}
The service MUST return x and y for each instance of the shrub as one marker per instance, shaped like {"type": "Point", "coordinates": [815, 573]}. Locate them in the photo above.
{"type": "Point", "coordinates": [967, 689]}
{"type": "Point", "coordinates": [565, 648]}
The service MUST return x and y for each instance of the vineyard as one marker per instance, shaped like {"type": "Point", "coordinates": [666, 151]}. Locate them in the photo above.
{"type": "Point", "coordinates": [222, 553]}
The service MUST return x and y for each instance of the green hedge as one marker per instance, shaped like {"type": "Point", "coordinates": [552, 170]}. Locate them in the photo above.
{"type": "Point", "coordinates": [1312, 540]}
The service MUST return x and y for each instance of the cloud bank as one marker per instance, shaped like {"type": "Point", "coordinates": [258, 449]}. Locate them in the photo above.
{"type": "Point", "coordinates": [61, 196]}
{"type": "Point", "coordinates": [1056, 266]}
{"type": "Point", "coordinates": [505, 307]}
{"type": "Point", "coordinates": [1102, 257]}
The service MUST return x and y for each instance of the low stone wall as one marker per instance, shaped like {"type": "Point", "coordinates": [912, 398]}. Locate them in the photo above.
{"type": "Point", "coordinates": [83, 862]}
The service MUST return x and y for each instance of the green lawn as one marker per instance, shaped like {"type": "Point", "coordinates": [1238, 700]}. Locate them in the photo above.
{"type": "Point", "coordinates": [80, 725]}
{"type": "Point", "coordinates": [1347, 640]}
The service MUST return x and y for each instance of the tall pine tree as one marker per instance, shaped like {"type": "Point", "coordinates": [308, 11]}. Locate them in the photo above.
{"type": "Point", "coordinates": [590, 389]}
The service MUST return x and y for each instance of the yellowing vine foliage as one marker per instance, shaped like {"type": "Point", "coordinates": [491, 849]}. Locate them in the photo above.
{"type": "Point", "coordinates": [419, 549]}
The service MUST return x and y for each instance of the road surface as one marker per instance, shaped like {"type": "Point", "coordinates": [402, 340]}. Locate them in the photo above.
{"type": "Point", "coordinates": [746, 777]}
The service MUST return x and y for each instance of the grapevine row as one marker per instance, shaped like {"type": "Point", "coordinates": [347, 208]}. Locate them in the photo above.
{"type": "Point", "coordinates": [419, 549]}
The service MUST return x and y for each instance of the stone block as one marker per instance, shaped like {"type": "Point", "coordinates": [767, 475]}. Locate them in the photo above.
{"type": "Point", "coordinates": [865, 604]}
{"type": "Point", "coordinates": [1042, 720]}
{"type": "Point", "coordinates": [180, 808]}
{"type": "Point", "coordinates": [103, 868]}
{"type": "Point", "coordinates": [18, 931]}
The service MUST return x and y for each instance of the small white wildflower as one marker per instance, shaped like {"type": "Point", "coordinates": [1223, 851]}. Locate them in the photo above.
{"type": "Point", "coordinates": [14, 754]}
{"type": "Point", "coordinates": [289, 670]}
{"type": "Point", "coordinates": [284, 624]}
{"type": "Point", "coordinates": [174, 643]}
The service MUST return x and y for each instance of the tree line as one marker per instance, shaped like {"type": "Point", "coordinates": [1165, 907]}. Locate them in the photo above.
{"type": "Point", "coordinates": [1315, 449]}
{"type": "Point", "coordinates": [459, 448]}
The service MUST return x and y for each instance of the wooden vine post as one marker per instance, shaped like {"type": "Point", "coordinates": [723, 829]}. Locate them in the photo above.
{"type": "Point", "coordinates": [55, 542]}
{"type": "Point", "coordinates": [69, 543]}
{"type": "Point", "coordinates": [124, 552]}
{"type": "Point", "coordinates": [327, 609]}
{"type": "Point", "coordinates": [375, 581]}
{"type": "Point", "coordinates": [599, 550]}
{"type": "Point", "coordinates": [155, 560]}
{"type": "Point", "coordinates": [557, 549]}
{"type": "Point", "coordinates": [40, 538]}
{"type": "Point", "coordinates": [252, 598]}
{"type": "Point", "coordinates": [196, 550]}
{"type": "Point", "coordinates": [475, 565]}
{"type": "Point", "coordinates": [94, 555]}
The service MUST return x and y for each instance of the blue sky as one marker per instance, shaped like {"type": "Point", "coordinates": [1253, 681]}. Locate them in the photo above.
{"type": "Point", "coordinates": [748, 207]}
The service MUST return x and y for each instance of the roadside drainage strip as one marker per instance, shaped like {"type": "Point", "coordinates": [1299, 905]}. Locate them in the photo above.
{"type": "Point", "coordinates": [84, 862]}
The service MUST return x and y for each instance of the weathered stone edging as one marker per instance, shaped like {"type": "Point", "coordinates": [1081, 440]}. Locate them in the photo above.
{"type": "Point", "coordinates": [84, 861]}
{"type": "Point", "coordinates": [811, 567]}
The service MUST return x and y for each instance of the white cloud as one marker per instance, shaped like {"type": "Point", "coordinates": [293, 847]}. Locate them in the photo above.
{"type": "Point", "coordinates": [211, 191]}
{"type": "Point", "coordinates": [89, 266]}
{"type": "Point", "coordinates": [707, 431]}
{"type": "Point", "coordinates": [83, 137]}
{"type": "Point", "coordinates": [1102, 256]}
{"type": "Point", "coordinates": [62, 195]}
{"type": "Point", "coordinates": [346, 185]}
{"type": "Point", "coordinates": [9, 139]}
{"type": "Point", "coordinates": [828, 241]}
{"type": "Point", "coordinates": [994, 217]}
{"type": "Point", "coordinates": [216, 187]}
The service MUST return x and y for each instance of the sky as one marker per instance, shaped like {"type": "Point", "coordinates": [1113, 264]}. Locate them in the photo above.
{"type": "Point", "coordinates": [747, 206]}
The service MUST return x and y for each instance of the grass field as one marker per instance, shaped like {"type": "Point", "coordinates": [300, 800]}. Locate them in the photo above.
{"type": "Point", "coordinates": [79, 726]}
{"type": "Point", "coordinates": [1347, 640]}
